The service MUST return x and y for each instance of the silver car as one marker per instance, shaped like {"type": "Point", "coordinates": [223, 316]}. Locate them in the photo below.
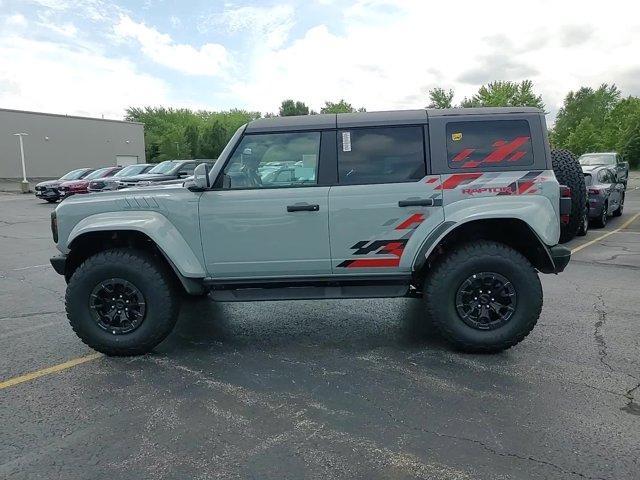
{"type": "Point", "coordinates": [606, 194]}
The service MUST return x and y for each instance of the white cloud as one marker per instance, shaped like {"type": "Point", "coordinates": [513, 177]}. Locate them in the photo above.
{"type": "Point", "coordinates": [46, 76]}
{"type": "Point", "coordinates": [209, 60]}
{"type": "Point", "coordinates": [389, 54]}
{"type": "Point", "coordinates": [16, 20]}
{"type": "Point", "coordinates": [265, 26]}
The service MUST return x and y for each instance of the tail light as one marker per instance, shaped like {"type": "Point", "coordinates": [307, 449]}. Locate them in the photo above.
{"type": "Point", "coordinates": [594, 191]}
{"type": "Point", "coordinates": [565, 191]}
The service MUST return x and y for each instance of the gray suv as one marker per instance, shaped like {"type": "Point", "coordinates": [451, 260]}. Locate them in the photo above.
{"type": "Point", "coordinates": [457, 207]}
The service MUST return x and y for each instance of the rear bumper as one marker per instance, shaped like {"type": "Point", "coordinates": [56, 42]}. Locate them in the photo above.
{"type": "Point", "coordinates": [560, 255]}
{"type": "Point", "coordinates": [59, 263]}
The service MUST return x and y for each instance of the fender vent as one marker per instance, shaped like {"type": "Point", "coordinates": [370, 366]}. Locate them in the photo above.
{"type": "Point", "coordinates": [139, 202]}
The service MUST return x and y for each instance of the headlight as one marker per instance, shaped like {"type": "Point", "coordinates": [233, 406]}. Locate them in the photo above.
{"type": "Point", "coordinates": [54, 226]}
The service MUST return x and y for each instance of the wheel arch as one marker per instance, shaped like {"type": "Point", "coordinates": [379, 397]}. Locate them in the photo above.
{"type": "Point", "coordinates": [91, 242]}
{"type": "Point", "coordinates": [513, 232]}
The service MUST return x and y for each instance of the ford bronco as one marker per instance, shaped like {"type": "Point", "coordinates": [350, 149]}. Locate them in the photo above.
{"type": "Point", "coordinates": [459, 207]}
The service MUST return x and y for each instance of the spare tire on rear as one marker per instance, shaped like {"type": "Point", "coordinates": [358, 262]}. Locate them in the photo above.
{"type": "Point", "coordinates": [569, 173]}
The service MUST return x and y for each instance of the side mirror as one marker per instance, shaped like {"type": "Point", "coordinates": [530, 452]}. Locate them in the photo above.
{"type": "Point", "coordinates": [201, 179]}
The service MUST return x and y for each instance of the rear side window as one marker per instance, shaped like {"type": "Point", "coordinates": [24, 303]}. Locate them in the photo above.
{"type": "Point", "coordinates": [380, 155]}
{"type": "Point", "coordinates": [482, 144]}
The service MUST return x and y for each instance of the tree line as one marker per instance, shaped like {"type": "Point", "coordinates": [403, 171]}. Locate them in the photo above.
{"type": "Point", "coordinates": [590, 120]}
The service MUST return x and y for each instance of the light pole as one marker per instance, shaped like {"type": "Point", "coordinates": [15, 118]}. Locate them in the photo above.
{"type": "Point", "coordinates": [24, 186]}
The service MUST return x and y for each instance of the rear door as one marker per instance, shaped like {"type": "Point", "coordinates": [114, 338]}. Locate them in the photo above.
{"type": "Point", "coordinates": [383, 195]}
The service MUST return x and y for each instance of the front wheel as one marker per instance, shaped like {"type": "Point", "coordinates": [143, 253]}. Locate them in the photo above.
{"type": "Point", "coordinates": [122, 302]}
{"type": "Point", "coordinates": [483, 297]}
{"type": "Point", "coordinates": [601, 220]}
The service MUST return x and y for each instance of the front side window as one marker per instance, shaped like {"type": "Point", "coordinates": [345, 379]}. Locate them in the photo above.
{"type": "Point", "coordinates": [482, 144]}
{"type": "Point", "coordinates": [380, 155]}
{"type": "Point", "coordinates": [273, 160]}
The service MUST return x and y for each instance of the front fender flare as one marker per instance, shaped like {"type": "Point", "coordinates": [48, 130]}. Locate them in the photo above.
{"type": "Point", "coordinates": [153, 224]}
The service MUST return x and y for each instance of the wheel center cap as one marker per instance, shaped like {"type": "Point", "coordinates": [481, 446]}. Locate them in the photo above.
{"type": "Point", "coordinates": [484, 298]}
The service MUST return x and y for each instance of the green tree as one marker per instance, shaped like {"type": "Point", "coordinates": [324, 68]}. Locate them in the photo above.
{"type": "Point", "coordinates": [440, 98]}
{"type": "Point", "coordinates": [291, 107]}
{"type": "Point", "coordinates": [192, 139]}
{"type": "Point", "coordinates": [596, 105]}
{"type": "Point", "coordinates": [505, 94]}
{"type": "Point", "coordinates": [341, 106]}
{"type": "Point", "coordinates": [631, 149]}
{"type": "Point", "coordinates": [585, 137]}
{"type": "Point", "coordinates": [213, 140]}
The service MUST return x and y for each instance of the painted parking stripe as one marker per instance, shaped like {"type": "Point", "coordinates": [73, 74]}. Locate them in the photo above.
{"type": "Point", "coordinates": [602, 237]}
{"type": "Point", "coordinates": [49, 370]}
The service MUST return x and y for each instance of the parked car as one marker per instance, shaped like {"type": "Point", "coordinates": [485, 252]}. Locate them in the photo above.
{"type": "Point", "coordinates": [49, 190]}
{"type": "Point", "coordinates": [606, 193]}
{"type": "Point", "coordinates": [75, 187]}
{"type": "Point", "coordinates": [612, 160]}
{"type": "Point", "coordinates": [466, 225]}
{"type": "Point", "coordinates": [104, 184]}
{"type": "Point", "coordinates": [167, 170]}
{"type": "Point", "coordinates": [177, 181]}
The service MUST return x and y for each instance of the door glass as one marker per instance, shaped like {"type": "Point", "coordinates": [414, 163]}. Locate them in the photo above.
{"type": "Point", "coordinates": [380, 155]}
{"type": "Point", "coordinates": [273, 160]}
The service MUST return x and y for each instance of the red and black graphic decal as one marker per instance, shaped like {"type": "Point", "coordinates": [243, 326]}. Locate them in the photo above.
{"type": "Point", "coordinates": [392, 248]}
{"type": "Point", "coordinates": [489, 143]}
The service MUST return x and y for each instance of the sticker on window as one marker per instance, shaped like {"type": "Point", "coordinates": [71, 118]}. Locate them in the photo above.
{"type": "Point", "coordinates": [456, 137]}
{"type": "Point", "coordinates": [346, 141]}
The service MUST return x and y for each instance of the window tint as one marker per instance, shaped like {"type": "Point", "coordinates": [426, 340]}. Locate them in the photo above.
{"type": "Point", "coordinates": [482, 144]}
{"type": "Point", "coordinates": [380, 155]}
{"type": "Point", "coordinates": [188, 168]}
{"type": "Point", "coordinates": [274, 160]}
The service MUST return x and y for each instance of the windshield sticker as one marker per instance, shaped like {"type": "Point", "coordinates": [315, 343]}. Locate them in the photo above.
{"type": "Point", "coordinates": [346, 141]}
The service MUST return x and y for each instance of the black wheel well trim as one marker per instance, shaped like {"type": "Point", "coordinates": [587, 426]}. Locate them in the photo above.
{"type": "Point", "coordinates": [193, 286]}
{"type": "Point", "coordinates": [541, 259]}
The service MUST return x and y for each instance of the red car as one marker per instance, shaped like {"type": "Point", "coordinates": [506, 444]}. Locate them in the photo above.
{"type": "Point", "coordinates": [73, 187]}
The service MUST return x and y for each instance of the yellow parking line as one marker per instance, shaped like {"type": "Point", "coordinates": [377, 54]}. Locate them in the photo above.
{"type": "Point", "coordinates": [49, 370]}
{"type": "Point", "coordinates": [601, 237]}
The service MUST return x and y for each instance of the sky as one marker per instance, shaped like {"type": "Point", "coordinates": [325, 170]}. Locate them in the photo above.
{"type": "Point", "coordinates": [98, 57]}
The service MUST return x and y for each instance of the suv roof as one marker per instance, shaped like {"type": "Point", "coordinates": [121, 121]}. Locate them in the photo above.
{"type": "Point", "coordinates": [360, 119]}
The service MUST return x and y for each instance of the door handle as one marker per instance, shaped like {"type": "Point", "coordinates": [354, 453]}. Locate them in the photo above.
{"type": "Point", "coordinates": [418, 202]}
{"type": "Point", "coordinates": [303, 207]}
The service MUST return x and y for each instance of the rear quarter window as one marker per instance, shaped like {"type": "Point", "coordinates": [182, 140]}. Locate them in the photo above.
{"type": "Point", "coordinates": [496, 143]}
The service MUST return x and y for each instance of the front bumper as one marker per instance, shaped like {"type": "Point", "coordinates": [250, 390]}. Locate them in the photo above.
{"type": "Point", "coordinates": [59, 263]}
{"type": "Point", "coordinates": [47, 194]}
{"type": "Point", "coordinates": [560, 255]}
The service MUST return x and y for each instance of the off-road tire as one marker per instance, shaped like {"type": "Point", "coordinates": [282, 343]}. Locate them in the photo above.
{"type": "Point", "coordinates": [618, 211]}
{"type": "Point", "coordinates": [601, 220]}
{"type": "Point", "coordinates": [445, 278]}
{"type": "Point", "coordinates": [149, 275]}
{"type": "Point", "coordinates": [569, 173]}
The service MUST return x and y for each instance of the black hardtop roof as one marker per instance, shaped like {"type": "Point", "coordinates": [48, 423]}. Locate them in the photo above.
{"type": "Point", "coordinates": [363, 119]}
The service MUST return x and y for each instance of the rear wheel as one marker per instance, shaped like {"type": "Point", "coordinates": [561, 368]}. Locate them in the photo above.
{"type": "Point", "coordinates": [483, 297]}
{"type": "Point", "coordinates": [584, 226]}
{"type": "Point", "coordinates": [568, 172]}
{"type": "Point", "coordinates": [122, 302]}
{"type": "Point", "coordinates": [618, 211]}
{"type": "Point", "coordinates": [601, 220]}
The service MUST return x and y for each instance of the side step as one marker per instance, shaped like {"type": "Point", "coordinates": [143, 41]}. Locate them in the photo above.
{"type": "Point", "coordinates": [308, 288]}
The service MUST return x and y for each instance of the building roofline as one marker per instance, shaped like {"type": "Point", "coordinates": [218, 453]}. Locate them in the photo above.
{"type": "Point", "coordinates": [61, 115]}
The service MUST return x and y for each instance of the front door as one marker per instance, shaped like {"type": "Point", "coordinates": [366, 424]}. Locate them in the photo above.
{"type": "Point", "coordinates": [383, 195]}
{"type": "Point", "coordinates": [270, 219]}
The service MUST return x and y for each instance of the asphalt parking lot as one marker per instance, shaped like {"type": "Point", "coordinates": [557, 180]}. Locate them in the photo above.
{"type": "Point", "coordinates": [323, 389]}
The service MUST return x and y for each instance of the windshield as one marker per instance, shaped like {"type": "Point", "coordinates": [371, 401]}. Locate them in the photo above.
{"type": "Point", "coordinates": [101, 172]}
{"type": "Point", "coordinates": [164, 167]}
{"type": "Point", "coordinates": [74, 174]}
{"type": "Point", "coordinates": [597, 159]}
{"type": "Point", "coordinates": [130, 170]}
